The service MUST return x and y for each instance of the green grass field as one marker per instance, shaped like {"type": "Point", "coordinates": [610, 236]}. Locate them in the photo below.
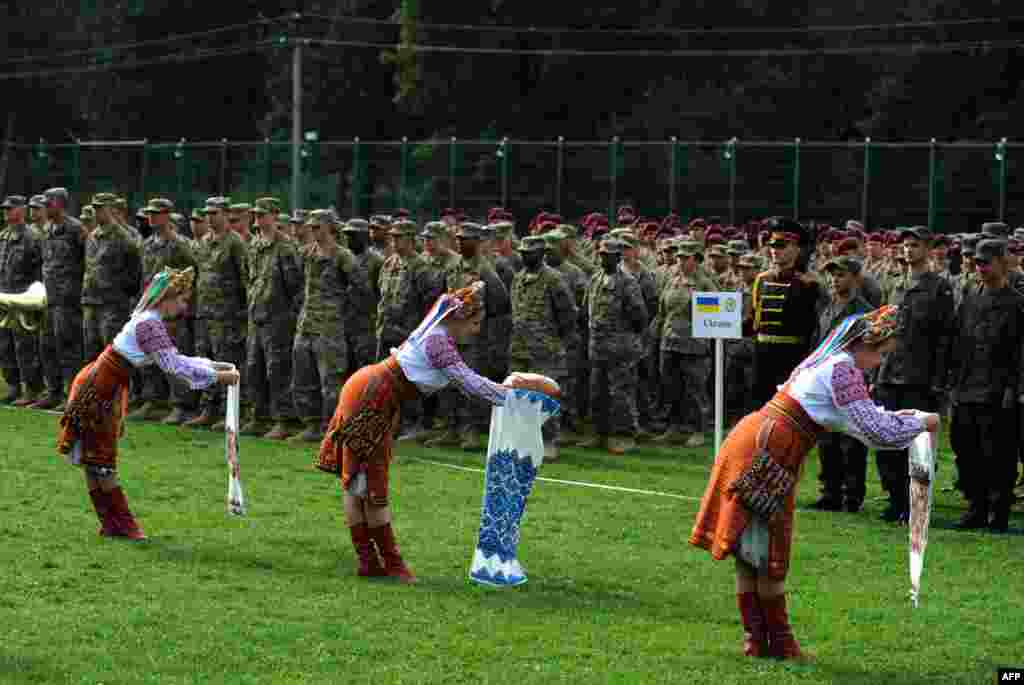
{"type": "Point", "coordinates": [615, 593]}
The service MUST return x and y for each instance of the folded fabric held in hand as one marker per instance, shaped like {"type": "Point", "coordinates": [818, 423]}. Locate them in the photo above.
{"type": "Point", "coordinates": [535, 382]}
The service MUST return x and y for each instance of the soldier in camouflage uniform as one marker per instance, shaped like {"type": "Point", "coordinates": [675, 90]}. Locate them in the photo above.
{"type": "Point", "coordinates": [320, 354]}
{"type": "Point", "coordinates": [363, 295]}
{"type": "Point", "coordinates": [506, 258]}
{"type": "Point", "coordinates": [37, 216]}
{"type": "Point", "coordinates": [21, 262]}
{"type": "Point", "coordinates": [716, 266]}
{"type": "Point", "coordinates": [579, 257]}
{"type": "Point", "coordinates": [685, 360]}
{"type": "Point", "coordinates": [198, 223]}
{"type": "Point", "coordinates": [438, 259]}
{"type": "Point", "coordinates": [110, 284]}
{"type": "Point", "coordinates": [470, 267]}
{"type": "Point", "coordinates": [407, 291]}
{"type": "Point", "coordinates": [616, 316]}
{"type": "Point", "coordinates": [544, 325]}
{"type": "Point", "coordinates": [734, 279]}
{"type": "Point", "coordinates": [221, 294]}
{"type": "Point", "coordinates": [240, 220]}
{"type": "Point", "coordinates": [576, 391]}
{"type": "Point", "coordinates": [739, 354]}
{"type": "Point", "coordinates": [497, 329]}
{"type": "Point", "coordinates": [275, 294]}
{"type": "Point", "coordinates": [647, 374]}
{"type": "Point", "coordinates": [165, 248]}
{"type": "Point", "coordinates": [63, 265]}
{"type": "Point", "coordinates": [380, 235]}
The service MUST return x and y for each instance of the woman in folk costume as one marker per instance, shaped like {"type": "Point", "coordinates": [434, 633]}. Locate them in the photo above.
{"type": "Point", "coordinates": [93, 420]}
{"type": "Point", "coordinates": [357, 446]}
{"type": "Point", "coordinates": [747, 509]}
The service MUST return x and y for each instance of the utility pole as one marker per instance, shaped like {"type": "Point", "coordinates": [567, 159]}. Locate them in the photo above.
{"type": "Point", "coordinates": [296, 123]}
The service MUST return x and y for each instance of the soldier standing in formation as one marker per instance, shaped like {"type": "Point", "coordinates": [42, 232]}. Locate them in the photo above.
{"type": "Point", "coordinates": [544, 321]}
{"type": "Point", "coordinates": [275, 295]}
{"type": "Point", "coordinates": [632, 265]}
{"type": "Point", "coordinates": [616, 316]}
{"type": "Point", "coordinates": [21, 261]}
{"type": "Point", "coordinates": [363, 295]}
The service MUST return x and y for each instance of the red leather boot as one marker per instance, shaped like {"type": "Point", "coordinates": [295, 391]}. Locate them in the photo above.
{"type": "Point", "coordinates": [781, 642]}
{"type": "Point", "coordinates": [755, 639]}
{"type": "Point", "coordinates": [125, 522]}
{"type": "Point", "coordinates": [394, 566]}
{"type": "Point", "coordinates": [369, 562]}
{"type": "Point", "coordinates": [101, 503]}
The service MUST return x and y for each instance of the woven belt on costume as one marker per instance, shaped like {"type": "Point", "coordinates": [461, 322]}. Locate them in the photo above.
{"type": "Point", "coordinates": [405, 388]}
{"type": "Point", "coordinates": [780, 339]}
{"type": "Point", "coordinates": [111, 357]}
{"type": "Point", "coordinates": [786, 408]}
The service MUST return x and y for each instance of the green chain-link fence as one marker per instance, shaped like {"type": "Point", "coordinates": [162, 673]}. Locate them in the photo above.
{"type": "Point", "coordinates": [949, 186]}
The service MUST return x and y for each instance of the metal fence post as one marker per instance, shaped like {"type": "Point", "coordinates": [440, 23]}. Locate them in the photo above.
{"type": "Point", "coordinates": [867, 182]}
{"type": "Point", "coordinates": [796, 179]}
{"type": "Point", "coordinates": [357, 178]}
{"type": "Point", "coordinates": [223, 166]}
{"type": "Point", "coordinates": [613, 159]}
{"type": "Point", "coordinates": [144, 171]}
{"type": "Point", "coordinates": [732, 181]}
{"type": "Point", "coordinates": [403, 172]}
{"type": "Point", "coordinates": [453, 168]}
{"type": "Point", "coordinates": [559, 172]}
{"type": "Point", "coordinates": [673, 160]}
{"type": "Point", "coordinates": [931, 185]}
{"type": "Point", "coordinates": [76, 166]}
{"type": "Point", "coordinates": [504, 152]}
{"type": "Point", "coordinates": [268, 168]}
{"type": "Point", "coordinates": [179, 168]}
{"type": "Point", "coordinates": [1001, 158]}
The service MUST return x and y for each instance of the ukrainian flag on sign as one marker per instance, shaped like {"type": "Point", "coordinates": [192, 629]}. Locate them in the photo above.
{"type": "Point", "coordinates": [708, 304]}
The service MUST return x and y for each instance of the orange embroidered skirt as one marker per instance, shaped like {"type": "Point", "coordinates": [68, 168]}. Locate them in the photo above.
{"type": "Point", "coordinates": [358, 438]}
{"type": "Point", "coordinates": [96, 406]}
{"type": "Point", "coordinates": [722, 517]}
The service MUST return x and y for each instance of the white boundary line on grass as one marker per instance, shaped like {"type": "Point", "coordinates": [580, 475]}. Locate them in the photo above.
{"type": "Point", "coordinates": [584, 484]}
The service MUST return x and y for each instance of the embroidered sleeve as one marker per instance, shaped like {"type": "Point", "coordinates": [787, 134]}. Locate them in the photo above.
{"type": "Point", "coordinates": [151, 336]}
{"type": "Point", "coordinates": [866, 421]}
{"type": "Point", "coordinates": [195, 371]}
{"type": "Point", "coordinates": [443, 355]}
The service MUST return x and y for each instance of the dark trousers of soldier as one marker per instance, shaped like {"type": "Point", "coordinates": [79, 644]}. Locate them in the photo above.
{"type": "Point", "coordinates": [893, 464]}
{"type": "Point", "coordinates": [739, 379]}
{"type": "Point", "coordinates": [773, 363]}
{"type": "Point", "coordinates": [319, 365]}
{"type": "Point", "coordinates": [100, 325]}
{"type": "Point", "coordinates": [844, 465]}
{"type": "Point", "coordinates": [984, 440]}
{"type": "Point", "coordinates": [61, 349]}
{"type": "Point", "coordinates": [224, 342]}
{"type": "Point", "coordinates": [643, 392]}
{"type": "Point", "coordinates": [268, 368]}
{"type": "Point", "coordinates": [19, 359]}
{"type": "Point", "coordinates": [613, 397]}
{"type": "Point", "coordinates": [684, 386]}
{"type": "Point", "coordinates": [412, 412]}
{"type": "Point", "coordinates": [470, 413]}
{"type": "Point", "coordinates": [499, 335]}
{"type": "Point", "coordinates": [583, 378]}
{"type": "Point", "coordinates": [156, 386]}
{"type": "Point", "coordinates": [656, 410]}
{"type": "Point", "coordinates": [362, 349]}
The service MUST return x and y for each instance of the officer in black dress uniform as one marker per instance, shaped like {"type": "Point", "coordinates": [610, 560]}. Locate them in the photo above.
{"type": "Point", "coordinates": [786, 300]}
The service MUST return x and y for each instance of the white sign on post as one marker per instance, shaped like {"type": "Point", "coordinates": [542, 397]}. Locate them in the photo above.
{"type": "Point", "coordinates": [718, 316]}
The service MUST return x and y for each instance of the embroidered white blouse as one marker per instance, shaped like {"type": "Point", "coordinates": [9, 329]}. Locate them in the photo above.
{"type": "Point", "coordinates": [144, 341]}
{"type": "Point", "coordinates": [433, 362]}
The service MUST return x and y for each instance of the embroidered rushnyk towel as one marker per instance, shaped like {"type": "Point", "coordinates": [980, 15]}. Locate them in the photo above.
{"type": "Point", "coordinates": [515, 451]}
{"type": "Point", "coordinates": [922, 477]}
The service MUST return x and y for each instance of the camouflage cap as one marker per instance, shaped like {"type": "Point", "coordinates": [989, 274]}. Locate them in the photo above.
{"type": "Point", "coordinates": [356, 226]}
{"type": "Point", "coordinates": [995, 229]}
{"type": "Point", "coordinates": [218, 202]}
{"type": "Point", "coordinates": [570, 231]}
{"type": "Point", "coordinates": [197, 215]}
{"type": "Point", "coordinates": [845, 263]}
{"type": "Point", "coordinates": [57, 194]}
{"type": "Point", "coordinates": [103, 199]}
{"type": "Point", "coordinates": [159, 205]}
{"type": "Point", "coordinates": [988, 248]}
{"type": "Point", "coordinates": [1018, 233]}
{"type": "Point", "coordinates": [13, 202]}
{"type": "Point", "coordinates": [267, 205]}
{"type": "Point", "coordinates": [37, 201]}
{"type": "Point", "coordinates": [503, 229]}
{"type": "Point", "coordinates": [240, 207]}
{"type": "Point", "coordinates": [689, 248]}
{"type": "Point", "coordinates": [532, 243]}
{"type": "Point", "coordinates": [403, 227]}
{"type": "Point", "coordinates": [751, 261]}
{"type": "Point", "coordinates": [141, 214]}
{"type": "Point", "coordinates": [120, 202]}
{"type": "Point", "coordinates": [921, 233]}
{"type": "Point", "coordinates": [88, 214]}
{"type": "Point", "coordinates": [737, 248]}
{"type": "Point", "coordinates": [322, 216]}
{"type": "Point", "coordinates": [177, 218]}
{"type": "Point", "coordinates": [487, 232]}
{"type": "Point", "coordinates": [612, 246]}
{"type": "Point", "coordinates": [434, 230]}
{"type": "Point", "coordinates": [470, 231]}
{"type": "Point", "coordinates": [625, 235]}
{"type": "Point", "coordinates": [554, 236]}
{"type": "Point", "coordinates": [297, 218]}
{"type": "Point", "coordinates": [716, 250]}
{"type": "Point", "coordinates": [283, 218]}
{"type": "Point", "coordinates": [968, 245]}
{"type": "Point", "coordinates": [380, 221]}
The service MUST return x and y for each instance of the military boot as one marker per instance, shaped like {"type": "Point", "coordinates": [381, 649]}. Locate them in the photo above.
{"type": "Point", "coordinates": [621, 444]}
{"type": "Point", "coordinates": [254, 426]}
{"type": "Point", "coordinates": [12, 394]}
{"type": "Point", "coordinates": [596, 441]}
{"type": "Point", "coordinates": [695, 440]}
{"type": "Point", "coordinates": [976, 516]}
{"type": "Point", "coordinates": [447, 439]}
{"type": "Point", "coordinates": [551, 452]}
{"type": "Point", "coordinates": [143, 412]}
{"type": "Point", "coordinates": [204, 420]}
{"type": "Point", "coordinates": [278, 432]}
{"type": "Point", "coordinates": [312, 433]}
{"type": "Point", "coordinates": [32, 394]}
{"type": "Point", "coordinates": [470, 441]}
{"type": "Point", "coordinates": [673, 436]}
{"type": "Point", "coordinates": [176, 417]}
{"type": "Point", "coordinates": [47, 401]}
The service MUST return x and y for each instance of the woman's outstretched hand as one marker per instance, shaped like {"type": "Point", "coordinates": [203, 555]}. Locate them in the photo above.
{"type": "Point", "coordinates": [228, 377]}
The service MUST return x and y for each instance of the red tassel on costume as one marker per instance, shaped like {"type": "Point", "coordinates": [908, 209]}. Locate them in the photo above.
{"type": "Point", "coordinates": [782, 643]}
{"type": "Point", "coordinates": [755, 639]}
{"type": "Point", "coordinates": [125, 522]}
{"type": "Point", "coordinates": [369, 562]}
{"type": "Point", "coordinates": [394, 566]}
{"type": "Point", "coordinates": [104, 512]}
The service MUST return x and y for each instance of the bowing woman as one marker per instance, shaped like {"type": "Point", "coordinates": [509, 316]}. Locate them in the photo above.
{"type": "Point", "coordinates": [93, 420]}
{"type": "Point", "coordinates": [747, 508]}
{"type": "Point", "coordinates": [357, 446]}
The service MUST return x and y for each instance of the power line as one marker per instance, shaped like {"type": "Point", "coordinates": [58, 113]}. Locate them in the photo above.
{"type": "Point", "coordinates": [879, 49]}
{"type": "Point", "coordinates": [144, 43]}
{"type": "Point", "coordinates": [535, 30]}
{"type": "Point", "coordinates": [176, 58]}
